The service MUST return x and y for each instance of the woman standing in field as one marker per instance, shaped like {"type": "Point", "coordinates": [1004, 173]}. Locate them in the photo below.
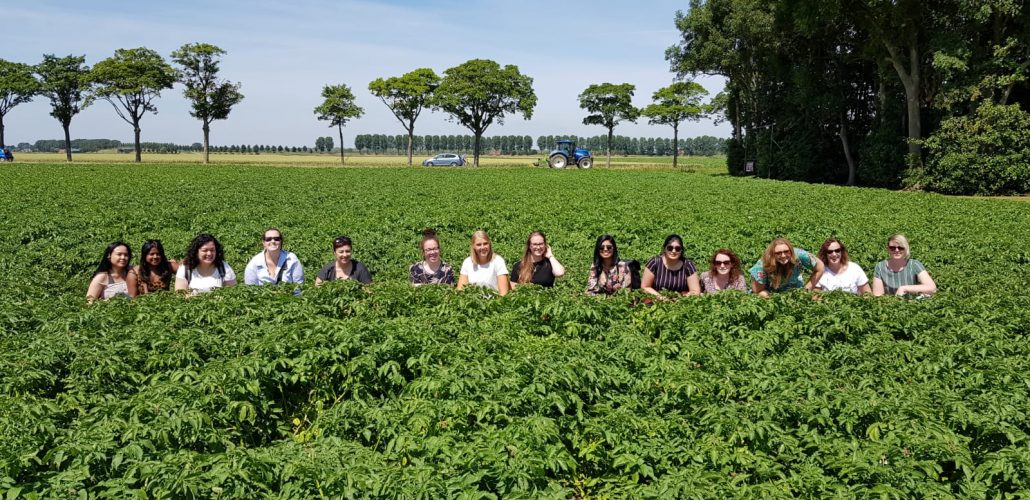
{"type": "Point", "coordinates": [483, 267]}
{"type": "Point", "coordinates": [204, 268]}
{"type": "Point", "coordinates": [724, 273]}
{"type": "Point", "coordinates": [900, 275]}
{"type": "Point", "coordinates": [432, 270]}
{"type": "Point", "coordinates": [343, 267]}
{"type": "Point", "coordinates": [113, 277]}
{"type": "Point", "coordinates": [155, 272]}
{"type": "Point", "coordinates": [608, 274]}
{"type": "Point", "coordinates": [841, 274]}
{"type": "Point", "coordinates": [538, 265]}
{"type": "Point", "coordinates": [273, 265]}
{"type": "Point", "coordinates": [780, 269]}
{"type": "Point", "coordinates": [670, 270]}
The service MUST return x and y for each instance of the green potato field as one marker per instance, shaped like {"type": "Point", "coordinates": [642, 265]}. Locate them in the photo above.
{"type": "Point", "coordinates": [392, 391]}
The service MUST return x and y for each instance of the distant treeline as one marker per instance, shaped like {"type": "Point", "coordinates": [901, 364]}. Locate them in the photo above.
{"type": "Point", "coordinates": [523, 144]}
{"type": "Point", "coordinates": [94, 145]}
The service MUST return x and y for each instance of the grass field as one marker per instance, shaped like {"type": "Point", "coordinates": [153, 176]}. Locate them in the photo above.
{"type": "Point", "coordinates": [391, 391]}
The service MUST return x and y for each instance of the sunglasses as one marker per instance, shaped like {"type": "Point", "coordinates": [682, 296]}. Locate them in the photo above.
{"type": "Point", "coordinates": [273, 238]}
{"type": "Point", "coordinates": [723, 263]}
{"type": "Point", "coordinates": [782, 252]}
{"type": "Point", "coordinates": [607, 247]}
{"type": "Point", "coordinates": [673, 248]}
{"type": "Point", "coordinates": [834, 250]}
{"type": "Point", "coordinates": [895, 248]}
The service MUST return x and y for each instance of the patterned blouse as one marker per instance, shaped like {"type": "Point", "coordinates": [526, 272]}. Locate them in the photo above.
{"type": "Point", "coordinates": [420, 275]}
{"type": "Point", "coordinates": [806, 262]}
{"type": "Point", "coordinates": [611, 280]}
{"type": "Point", "coordinates": [708, 283]}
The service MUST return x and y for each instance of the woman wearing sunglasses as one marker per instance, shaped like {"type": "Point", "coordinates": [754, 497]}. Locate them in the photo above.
{"type": "Point", "coordinates": [780, 268]}
{"type": "Point", "coordinates": [841, 274]}
{"type": "Point", "coordinates": [671, 271]}
{"type": "Point", "coordinates": [900, 275]}
{"type": "Point", "coordinates": [725, 273]}
{"type": "Point", "coordinates": [273, 265]}
{"type": "Point", "coordinates": [608, 274]}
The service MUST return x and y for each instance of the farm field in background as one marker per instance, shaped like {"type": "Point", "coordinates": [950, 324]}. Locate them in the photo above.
{"type": "Point", "coordinates": [707, 164]}
{"type": "Point", "coordinates": [400, 392]}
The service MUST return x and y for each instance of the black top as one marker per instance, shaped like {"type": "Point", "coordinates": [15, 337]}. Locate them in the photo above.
{"type": "Point", "coordinates": [542, 273]}
{"type": "Point", "coordinates": [358, 272]}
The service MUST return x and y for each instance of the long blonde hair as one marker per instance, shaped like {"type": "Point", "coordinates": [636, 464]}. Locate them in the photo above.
{"type": "Point", "coordinates": [480, 234]}
{"type": "Point", "coordinates": [773, 270]}
{"type": "Point", "coordinates": [526, 266]}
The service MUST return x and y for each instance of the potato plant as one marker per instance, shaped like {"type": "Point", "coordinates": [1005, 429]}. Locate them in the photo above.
{"type": "Point", "coordinates": [391, 391]}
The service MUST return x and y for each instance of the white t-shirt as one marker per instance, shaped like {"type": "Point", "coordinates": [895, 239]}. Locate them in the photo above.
{"type": "Point", "coordinates": [202, 284]}
{"type": "Point", "coordinates": [849, 280]}
{"type": "Point", "coordinates": [484, 275]}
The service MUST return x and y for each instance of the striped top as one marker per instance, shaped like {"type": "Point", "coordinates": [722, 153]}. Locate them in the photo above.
{"type": "Point", "coordinates": [892, 281]}
{"type": "Point", "coordinates": [666, 279]}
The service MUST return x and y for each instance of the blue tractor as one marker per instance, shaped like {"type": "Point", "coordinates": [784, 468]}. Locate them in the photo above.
{"type": "Point", "coordinates": [566, 153]}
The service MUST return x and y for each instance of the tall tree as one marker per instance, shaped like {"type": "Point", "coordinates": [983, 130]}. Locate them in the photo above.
{"type": "Point", "coordinates": [64, 80]}
{"type": "Point", "coordinates": [212, 99]}
{"type": "Point", "coordinates": [131, 80]}
{"type": "Point", "coordinates": [17, 85]}
{"type": "Point", "coordinates": [479, 92]}
{"type": "Point", "coordinates": [337, 108]}
{"type": "Point", "coordinates": [674, 104]}
{"type": "Point", "coordinates": [406, 96]}
{"type": "Point", "coordinates": [609, 105]}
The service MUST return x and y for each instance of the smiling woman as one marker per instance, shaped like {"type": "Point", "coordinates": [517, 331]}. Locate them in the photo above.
{"type": "Point", "coordinates": [113, 276]}
{"type": "Point", "coordinates": [204, 268]}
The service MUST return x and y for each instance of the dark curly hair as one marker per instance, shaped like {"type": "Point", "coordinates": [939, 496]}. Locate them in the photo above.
{"type": "Point", "coordinates": [192, 253]}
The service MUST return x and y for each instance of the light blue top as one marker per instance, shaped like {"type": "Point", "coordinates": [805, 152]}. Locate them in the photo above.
{"type": "Point", "coordinates": [257, 273]}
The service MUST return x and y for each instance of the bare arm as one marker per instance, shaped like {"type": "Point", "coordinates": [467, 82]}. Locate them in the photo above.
{"type": "Point", "coordinates": [820, 268]}
{"type": "Point", "coordinates": [693, 285]}
{"type": "Point", "coordinates": [759, 289]}
{"type": "Point", "coordinates": [503, 285]}
{"type": "Point", "coordinates": [647, 283]}
{"type": "Point", "coordinates": [181, 284]}
{"type": "Point", "coordinates": [877, 287]}
{"type": "Point", "coordinates": [95, 289]}
{"type": "Point", "coordinates": [864, 289]}
{"type": "Point", "coordinates": [556, 268]}
{"type": "Point", "coordinates": [463, 280]}
{"type": "Point", "coordinates": [132, 283]}
{"type": "Point", "coordinates": [926, 286]}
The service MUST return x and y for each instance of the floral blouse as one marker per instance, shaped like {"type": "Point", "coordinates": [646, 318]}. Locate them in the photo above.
{"type": "Point", "coordinates": [611, 280]}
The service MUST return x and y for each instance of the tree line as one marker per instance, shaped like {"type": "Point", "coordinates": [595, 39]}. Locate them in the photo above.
{"type": "Point", "coordinates": [524, 144]}
{"type": "Point", "coordinates": [901, 93]}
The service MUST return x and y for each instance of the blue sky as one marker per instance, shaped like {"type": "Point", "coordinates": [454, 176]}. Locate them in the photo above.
{"type": "Point", "coordinates": [284, 52]}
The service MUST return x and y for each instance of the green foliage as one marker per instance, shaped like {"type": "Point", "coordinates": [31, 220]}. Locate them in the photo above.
{"type": "Point", "coordinates": [986, 153]}
{"type": "Point", "coordinates": [337, 108]}
{"type": "Point", "coordinates": [65, 81]}
{"type": "Point", "coordinates": [393, 391]}
{"type": "Point", "coordinates": [479, 92]}
{"type": "Point", "coordinates": [406, 96]}
{"type": "Point", "coordinates": [211, 98]}
{"type": "Point", "coordinates": [609, 104]}
{"type": "Point", "coordinates": [17, 86]}
{"type": "Point", "coordinates": [131, 80]}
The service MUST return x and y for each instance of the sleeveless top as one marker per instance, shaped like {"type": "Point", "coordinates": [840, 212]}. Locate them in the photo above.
{"type": "Point", "coordinates": [114, 289]}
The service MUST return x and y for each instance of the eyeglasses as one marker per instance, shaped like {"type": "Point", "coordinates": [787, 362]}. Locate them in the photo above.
{"type": "Point", "coordinates": [273, 238]}
{"type": "Point", "coordinates": [607, 247]}
{"type": "Point", "coordinates": [834, 250]}
{"type": "Point", "coordinates": [673, 248]}
{"type": "Point", "coordinates": [723, 263]}
{"type": "Point", "coordinates": [895, 248]}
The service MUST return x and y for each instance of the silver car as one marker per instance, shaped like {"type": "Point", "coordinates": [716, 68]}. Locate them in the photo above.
{"type": "Point", "coordinates": [445, 159]}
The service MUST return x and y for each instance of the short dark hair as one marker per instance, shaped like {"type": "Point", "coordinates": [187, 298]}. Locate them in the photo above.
{"type": "Point", "coordinates": [341, 241]}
